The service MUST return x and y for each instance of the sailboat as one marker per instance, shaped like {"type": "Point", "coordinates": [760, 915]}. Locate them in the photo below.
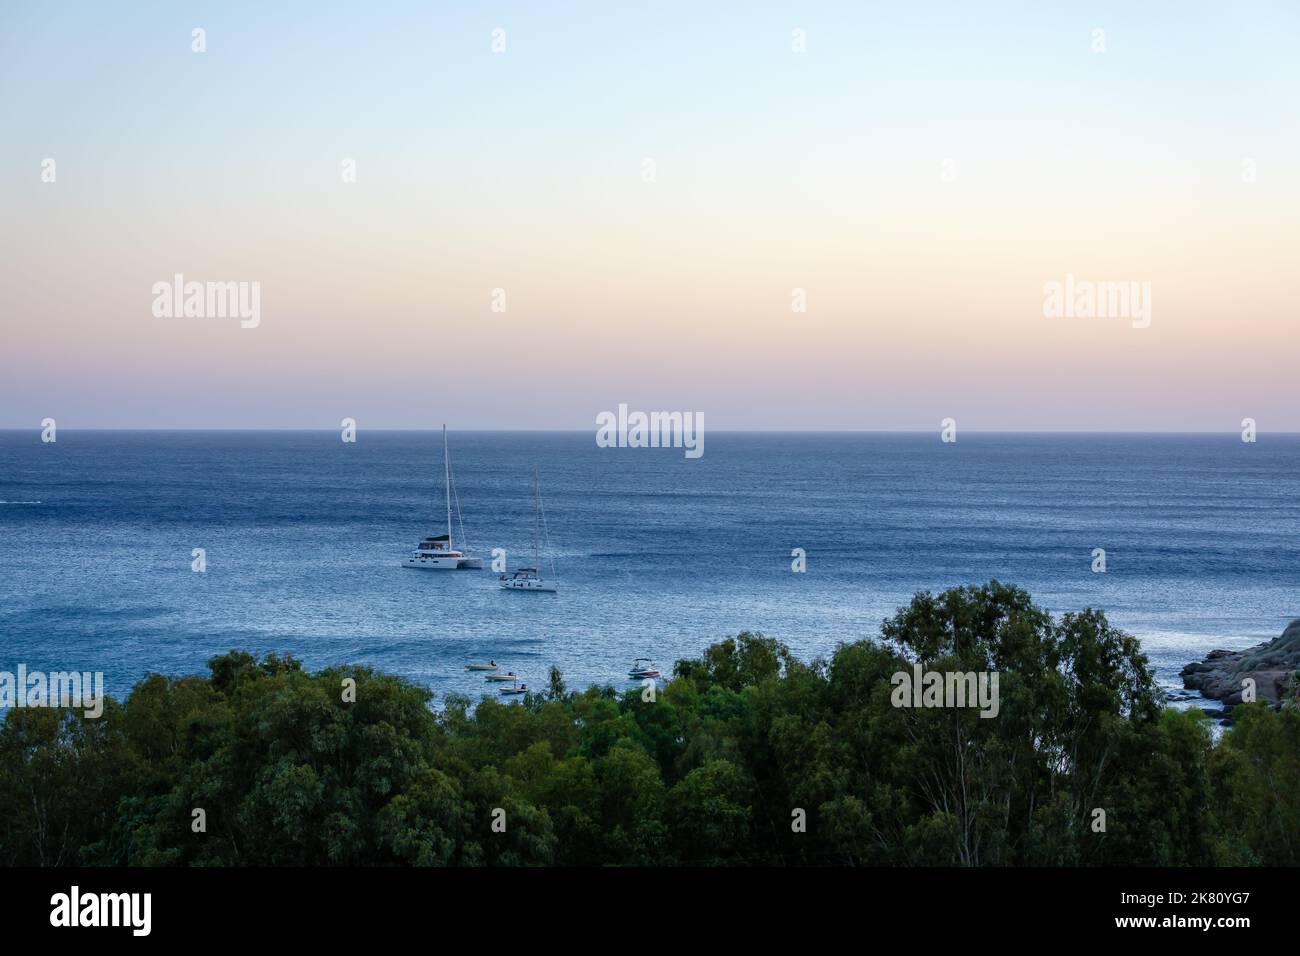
{"type": "Point", "coordinates": [530, 579]}
{"type": "Point", "coordinates": [437, 551]}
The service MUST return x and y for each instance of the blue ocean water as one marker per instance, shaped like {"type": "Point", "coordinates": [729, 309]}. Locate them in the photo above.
{"type": "Point", "coordinates": [657, 555]}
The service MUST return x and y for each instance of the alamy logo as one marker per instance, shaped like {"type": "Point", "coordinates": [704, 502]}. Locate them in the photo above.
{"type": "Point", "coordinates": [923, 688]}
{"type": "Point", "coordinates": [651, 430]}
{"type": "Point", "coordinates": [208, 300]}
{"type": "Point", "coordinates": [84, 691]}
{"type": "Point", "coordinates": [102, 909]}
{"type": "Point", "coordinates": [1084, 299]}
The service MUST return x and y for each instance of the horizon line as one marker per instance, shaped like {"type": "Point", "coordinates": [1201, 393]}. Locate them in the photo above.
{"type": "Point", "coordinates": [724, 431]}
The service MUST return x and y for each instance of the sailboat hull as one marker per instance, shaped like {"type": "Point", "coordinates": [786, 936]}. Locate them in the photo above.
{"type": "Point", "coordinates": [529, 585]}
{"type": "Point", "coordinates": [437, 563]}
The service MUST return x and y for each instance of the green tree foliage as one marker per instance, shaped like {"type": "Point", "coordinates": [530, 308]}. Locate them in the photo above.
{"type": "Point", "coordinates": [748, 756]}
{"type": "Point", "coordinates": [1255, 773]}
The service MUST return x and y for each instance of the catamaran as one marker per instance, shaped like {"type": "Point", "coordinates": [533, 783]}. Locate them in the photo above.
{"type": "Point", "coordinates": [530, 579]}
{"type": "Point", "coordinates": [437, 551]}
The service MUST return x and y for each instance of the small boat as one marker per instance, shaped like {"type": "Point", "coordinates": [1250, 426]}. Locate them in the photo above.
{"type": "Point", "coordinates": [530, 579]}
{"type": "Point", "coordinates": [513, 691]}
{"type": "Point", "coordinates": [642, 668]}
{"type": "Point", "coordinates": [437, 552]}
{"type": "Point", "coordinates": [507, 676]}
{"type": "Point", "coordinates": [489, 666]}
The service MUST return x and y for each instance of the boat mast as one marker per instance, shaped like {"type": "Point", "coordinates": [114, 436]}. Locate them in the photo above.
{"type": "Point", "coordinates": [546, 533]}
{"type": "Point", "coordinates": [537, 504]}
{"type": "Point", "coordinates": [446, 461]}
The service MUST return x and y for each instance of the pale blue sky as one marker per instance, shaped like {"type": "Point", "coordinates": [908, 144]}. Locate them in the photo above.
{"type": "Point", "coordinates": [522, 171]}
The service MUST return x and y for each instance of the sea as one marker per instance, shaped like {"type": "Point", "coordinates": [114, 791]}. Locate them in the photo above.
{"type": "Point", "coordinates": [654, 554]}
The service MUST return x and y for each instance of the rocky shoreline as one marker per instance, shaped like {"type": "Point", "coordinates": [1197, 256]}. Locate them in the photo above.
{"type": "Point", "coordinates": [1272, 665]}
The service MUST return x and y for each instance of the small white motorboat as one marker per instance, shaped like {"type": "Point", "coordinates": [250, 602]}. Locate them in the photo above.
{"type": "Point", "coordinates": [489, 666]}
{"type": "Point", "coordinates": [514, 691]}
{"type": "Point", "coordinates": [500, 678]}
{"type": "Point", "coordinates": [642, 668]}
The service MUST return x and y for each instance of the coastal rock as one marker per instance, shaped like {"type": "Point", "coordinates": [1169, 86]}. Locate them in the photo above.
{"type": "Point", "coordinates": [1273, 666]}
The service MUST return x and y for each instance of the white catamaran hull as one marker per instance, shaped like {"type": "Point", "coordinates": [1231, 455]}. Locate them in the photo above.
{"type": "Point", "coordinates": [439, 563]}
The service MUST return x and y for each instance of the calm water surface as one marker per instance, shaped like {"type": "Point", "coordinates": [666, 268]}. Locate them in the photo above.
{"type": "Point", "coordinates": [656, 555]}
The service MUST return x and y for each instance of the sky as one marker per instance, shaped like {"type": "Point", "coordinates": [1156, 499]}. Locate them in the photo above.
{"type": "Point", "coordinates": [649, 185]}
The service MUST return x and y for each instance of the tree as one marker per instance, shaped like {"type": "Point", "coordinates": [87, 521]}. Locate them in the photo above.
{"type": "Point", "coordinates": [748, 756]}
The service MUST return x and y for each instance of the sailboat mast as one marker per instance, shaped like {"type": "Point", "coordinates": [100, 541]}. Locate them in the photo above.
{"type": "Point", "coordinates": [446, 461]}
{"type": "Point", "coordinates": [537, 503]}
